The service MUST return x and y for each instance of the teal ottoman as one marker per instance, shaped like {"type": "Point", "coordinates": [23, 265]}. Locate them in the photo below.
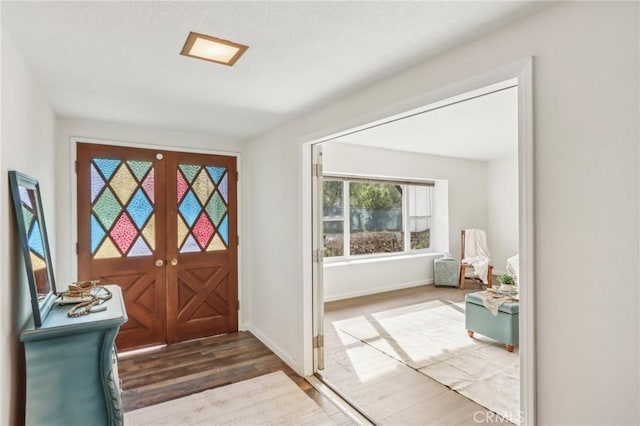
{"type": "Point", "coordinates": [502, 327]}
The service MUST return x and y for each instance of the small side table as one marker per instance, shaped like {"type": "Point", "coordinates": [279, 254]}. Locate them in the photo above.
{"type": "Point", "coordinates": [445, 272]}
{"type": "Point", "coordinates": [72, 368]}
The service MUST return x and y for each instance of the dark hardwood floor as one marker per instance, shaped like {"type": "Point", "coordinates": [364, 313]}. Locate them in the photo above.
{"type": "Point", "coordinates": [182, 369]}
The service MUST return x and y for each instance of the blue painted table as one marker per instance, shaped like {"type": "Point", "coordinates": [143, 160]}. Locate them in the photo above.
{"type": "Point", "coordinates": [72, 376]}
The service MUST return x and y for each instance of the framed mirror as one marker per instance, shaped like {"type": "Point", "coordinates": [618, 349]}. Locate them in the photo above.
{"type": "Point", "coordinates": [32, 232]}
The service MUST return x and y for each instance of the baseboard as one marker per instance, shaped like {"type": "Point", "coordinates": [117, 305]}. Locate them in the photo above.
{"type": "Point", "coordinates": [282, 354]}
{"type": "Point", "coordinates": [376, 290]}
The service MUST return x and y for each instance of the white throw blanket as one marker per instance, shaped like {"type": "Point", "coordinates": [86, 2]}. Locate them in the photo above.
{"type": "Point", "coordinates": [513, 267]}
{"type": "Point", "coordinates": [476, 252]}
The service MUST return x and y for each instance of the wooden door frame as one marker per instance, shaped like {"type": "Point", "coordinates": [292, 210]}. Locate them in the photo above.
{"type": "Point", "coordinates": [521, 70]}
{"type": "Point", "coordinates": [74, 140]}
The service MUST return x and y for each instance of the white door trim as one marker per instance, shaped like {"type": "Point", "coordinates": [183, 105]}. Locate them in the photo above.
{"type": "Point", "coordinates": [522, 71]}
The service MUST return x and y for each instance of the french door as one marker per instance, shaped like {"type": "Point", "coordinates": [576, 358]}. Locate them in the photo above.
{"type": "Point", "coordinates": [163, 226]}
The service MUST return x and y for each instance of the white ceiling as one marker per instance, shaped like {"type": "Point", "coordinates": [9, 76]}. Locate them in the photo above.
{"type": "Point", "coordinates": [119, 61]}
{"type": "Point", "coordinates": [481, 128]}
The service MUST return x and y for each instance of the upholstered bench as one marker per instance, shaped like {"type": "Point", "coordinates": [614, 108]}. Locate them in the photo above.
{"type": "Point", "coordinates": [502, 327]}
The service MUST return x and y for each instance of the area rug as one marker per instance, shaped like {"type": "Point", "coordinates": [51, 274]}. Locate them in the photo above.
{"type": "Point", "coordinates": [431, 338]}
{"type": "Point", "coordinates": [272, 399]}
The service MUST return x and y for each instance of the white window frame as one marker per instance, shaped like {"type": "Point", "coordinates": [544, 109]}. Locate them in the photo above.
{"type": "Point", "coordinates": [346, 214]}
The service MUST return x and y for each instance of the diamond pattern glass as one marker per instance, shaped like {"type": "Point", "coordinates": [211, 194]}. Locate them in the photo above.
{"type": "Point", "coordinates": [106, 166]}
{"type": "Point", "coordinates": [122, 201]}
{"type": "Point", "coordinates": [97, 183]}
{"type": "Point", "coordinates": [190, 208]}
{"type": "Point", "coordinates": [123, 233]}
{"type": "Point", "coordinates": [34, 236]}
{"type": "Point", "coordinates": [222, 187]}
{"type": "Point", "coordinates": [123, 184]}
{"type": "Point", "coordinates": [140, 208]}
{"type": "Point", "coordinates": [216, 208]}
{"type": "Point", "coordinates": [202, 208]}
{"type": "Point", "coordinates": [24, 197]}
{"type": "Point", "coordinates": [35, 239]}
{"type": "Point", "coordinates": [148, 185]}
{"type": "Point", "coordinates": [97, 233]}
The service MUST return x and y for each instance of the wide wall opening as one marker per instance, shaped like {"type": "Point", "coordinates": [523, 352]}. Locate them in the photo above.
{"type": "Point", "coordinates": [391, 201]}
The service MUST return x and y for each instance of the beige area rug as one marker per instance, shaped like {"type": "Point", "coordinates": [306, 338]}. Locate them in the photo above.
{"type": "Point", "coordinates": [431, 338]}
{"type": "Point", "coordinates": [272, 399]}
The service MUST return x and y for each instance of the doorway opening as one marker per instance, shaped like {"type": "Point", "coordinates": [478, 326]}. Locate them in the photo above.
{"type": "Point", "coordinates": [374, 343]}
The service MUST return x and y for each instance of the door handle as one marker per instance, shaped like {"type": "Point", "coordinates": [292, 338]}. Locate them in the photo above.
{"type": "Point", "coordinates": [174, 262]}
{"type": "Point", "coordinates": [159, 263]}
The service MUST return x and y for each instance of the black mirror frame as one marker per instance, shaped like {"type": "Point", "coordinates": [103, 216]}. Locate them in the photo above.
{"type": "Point", "coordinates": [17, 179]}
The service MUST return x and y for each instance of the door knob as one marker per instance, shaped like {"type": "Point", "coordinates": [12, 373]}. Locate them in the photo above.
{"type": "Point", "coordinates": [174, 261]}
{"type": "Point", "coordinates": [159, 263]}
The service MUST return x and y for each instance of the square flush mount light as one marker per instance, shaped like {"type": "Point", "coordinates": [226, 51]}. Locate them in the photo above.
{"type": "Point", "coordinates": [212, 49]}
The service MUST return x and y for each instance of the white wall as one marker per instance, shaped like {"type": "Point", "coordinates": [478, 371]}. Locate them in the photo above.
{"type": "Point", "coordinates": [502, 227]}
{"type": "Point", "coordinates": [346, 279]}
{"type": "Point", "coordinates": [467, 208]}
{"type": "Point", "coordinates": [585, 91]}
{"type": "Point", "coordinates": [28, 131]}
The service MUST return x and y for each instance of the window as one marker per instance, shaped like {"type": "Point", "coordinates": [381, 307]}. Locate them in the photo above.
{"type": "Point", "coordinates": [367, 216]}
{"type": "Point", "coordinates": [333, 217]}
{"type": "Point", "coordinates": [419, 198]}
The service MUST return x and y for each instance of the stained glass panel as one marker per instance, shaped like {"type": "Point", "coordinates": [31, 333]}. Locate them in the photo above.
{"type": "Point", "coordinates": [123, 184]}
{"type": "Point", "coordinates": [190, 208]}
{"type": "Point", "coordinates": [140, 208]}
{"type": "Point", "coordinates": [107, 208]}
{"type": "Point", "coordinates": [203, 187]}
{"type": "Point", "coordinates": [37, 262]}
{"type": "Point", "coordinates": [35, 239]}
{"type": "Point", "coordinates": [97, 233]}
{"type": "Point", "coordinates": [183, 231]}
{"type": "Point", "coordinates": [223, 230]}
{"type": "Point", "coordinates": [149, 232]}
{"type": "Point", "coordinates": [216, 173]}
{"type": "Point", "coordinates": [203, 230]}
{"type": "Point", "coordinates": [190, 245]}
{"type": "Point", "coordinates": [182, 184]}
{"type": "Point", "coordinates": [223, 188]}
{"type": "Point", "coordinates": [27, 216]}
{"type": "Point", "coordinates": [190, 171]}
{"type": "Point", "coordinates": [122, 222]}
{"type": "Point", "coordinates": [139, 168]}
{"type": "Point", "coordinates": [24, 197]}
{"type": "Point", "coordinates": [32, 226]}
{"type": "Point", "coordinates": [216, 208]}
{"type": "Point", "coordinates": [123, 233]}
{"type": "Point", "coordinates": [107, 250]}
{"type": "Point", "coordinates": [97, 183]}
{"type": "Point", "coordinates": [216, 244]}
{"type": "Point", "coordinates": [140, 248]}
{"type": "Point", "coordinates": [148, 185]}
{"type": "Point", "coordinates": [202, 192]}
{"type": "Point", "coordinates": [106, 166]}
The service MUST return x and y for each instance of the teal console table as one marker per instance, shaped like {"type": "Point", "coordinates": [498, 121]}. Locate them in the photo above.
{"type": "Point", "coordinates": [72, 372]}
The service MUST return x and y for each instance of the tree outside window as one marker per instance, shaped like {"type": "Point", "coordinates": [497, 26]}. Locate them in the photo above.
{"type": "Point", "coordinates": [375, 218]}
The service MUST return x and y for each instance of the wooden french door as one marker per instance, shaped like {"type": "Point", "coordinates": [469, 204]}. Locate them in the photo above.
{"type": "Point", "coordinates": [162, 225]}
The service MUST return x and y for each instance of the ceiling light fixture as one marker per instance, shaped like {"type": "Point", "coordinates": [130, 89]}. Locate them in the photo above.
{"type": "Point", "coordinates": [213, 49]}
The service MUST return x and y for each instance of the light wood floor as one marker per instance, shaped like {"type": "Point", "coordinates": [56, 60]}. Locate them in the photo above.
{"type": "Point", "coordinates": [185, 368]}
{"type": "Point", "coordinates": [384, 389]}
